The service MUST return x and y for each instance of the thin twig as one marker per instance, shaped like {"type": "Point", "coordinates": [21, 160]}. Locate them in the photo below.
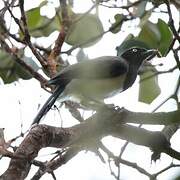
{"type": "Point", "coordinates": [125, 162]}
{"type": "Point", "coordinates": [176, 57]}
{"type": "Point", "coordinates": [166, 168]}
{"type": "Point", "coordinates": [123, 7]}
{"type": "Point", "coordinates": [27, 37]}
{"type": "Point", "coordinates": [12, 15]}
{"type": "Point", "coordinates": [171, 21]}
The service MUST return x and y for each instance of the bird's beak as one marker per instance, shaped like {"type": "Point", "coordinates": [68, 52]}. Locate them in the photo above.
{"type": "Point", "coordinates": [149, 54]}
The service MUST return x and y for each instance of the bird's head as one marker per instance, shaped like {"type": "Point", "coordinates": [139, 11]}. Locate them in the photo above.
{"type": "Point", "coordinates": [137, 56]}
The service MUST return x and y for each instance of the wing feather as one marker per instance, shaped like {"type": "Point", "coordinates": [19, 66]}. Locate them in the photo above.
{"type": "Point", "coordinates": [99, 68]}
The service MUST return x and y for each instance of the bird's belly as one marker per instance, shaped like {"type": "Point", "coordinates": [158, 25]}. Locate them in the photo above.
{"type": "Point", "coordinates": [97, 89]}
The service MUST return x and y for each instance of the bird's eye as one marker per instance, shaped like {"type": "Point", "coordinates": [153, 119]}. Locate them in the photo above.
{"type": "Point", "coordinates": [134, 50]}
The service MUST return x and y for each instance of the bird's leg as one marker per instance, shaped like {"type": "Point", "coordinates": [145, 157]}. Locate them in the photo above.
{"type": "Point", "coordinates": [111, 107]}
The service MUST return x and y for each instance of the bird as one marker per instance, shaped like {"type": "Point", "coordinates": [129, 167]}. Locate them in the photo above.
{"type": "Point", "coordinates": [89, 82]}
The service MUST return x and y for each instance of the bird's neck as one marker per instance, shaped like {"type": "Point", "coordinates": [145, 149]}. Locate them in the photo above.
{"type": "Point", "coordinates": [136, 65]}
{"type": "Point", "coordinates": [131, 75]}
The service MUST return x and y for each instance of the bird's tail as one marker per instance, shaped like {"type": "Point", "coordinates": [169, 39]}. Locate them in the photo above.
{"type": "Point", "coordinates": [48, 104]}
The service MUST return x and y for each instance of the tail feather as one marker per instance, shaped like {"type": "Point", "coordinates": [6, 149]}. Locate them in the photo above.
{"type": "Point", "coordinates": [48, 104]}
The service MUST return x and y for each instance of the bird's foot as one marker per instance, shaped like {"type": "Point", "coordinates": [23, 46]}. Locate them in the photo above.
{"type": "Point", "coordinates": [110, 107]}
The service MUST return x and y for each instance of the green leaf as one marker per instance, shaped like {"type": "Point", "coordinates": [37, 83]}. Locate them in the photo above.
{"type": "Point", "coordinates": [21, 72]}
{"type": "Point", "coordinates": [11, 71]}
{"type": "Point", "coordinates": [40, 25]}
{"type": "Point", "coordinates": [7, 68]}
{"type": "Point", "coordinates": [166, 37]}
{"type": "Point", "coordinates": [84, 28]}
{"type": "Point", "coordinates": [139, 10]}
{"type": "Point", "coordinates": [33, 17]}
{"type": "Point", "coordinates": [45, 27]}
{"type": "Point", "coordinates": [157, 36]}
{"type": "Point", "coordinates": [116, 26]}
{"type": "Point", "coordinates": [128, 43]}
{"type": "Point", "coordinates": [5, 60]}
{"type": "Point", "coordinates": [150, 34]}
{"type": "Point", "coordinates": [145, 18]}
{"type": "Point", "coordinates": [149, 88]}
{"type": "Point", "coordinates": [8, 75]}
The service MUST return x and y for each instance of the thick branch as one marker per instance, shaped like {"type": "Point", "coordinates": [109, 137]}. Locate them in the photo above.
{"type": "Point", "coordinates": [108, 122]}
{"type": "Point", "coordinates": [160, 118]}
{"type": "Point", "coordinates": [38, 137]}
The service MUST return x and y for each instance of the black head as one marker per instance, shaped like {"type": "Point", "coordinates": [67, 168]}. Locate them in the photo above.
{"type": "Point", "coordinates": [136, 55]}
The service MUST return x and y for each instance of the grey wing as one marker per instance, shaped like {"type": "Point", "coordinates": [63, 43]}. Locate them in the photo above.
{"type": "Point", "coordinates": [99, 68]}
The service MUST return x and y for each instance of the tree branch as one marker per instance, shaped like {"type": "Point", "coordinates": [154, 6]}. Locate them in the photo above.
{"type": "Point", "coordinates": [51, 61]}
{"type": "Point", "coordinates": [27, 37]}
{"type": "Point", "coordinates": [101, 124]}
{"type": "Point", "coordinates": [160, 118]}
{"type": "Point", "coordinates": [171, 21]}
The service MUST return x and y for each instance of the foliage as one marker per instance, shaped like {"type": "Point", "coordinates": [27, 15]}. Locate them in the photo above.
{"type": "Point", "coordinates": [10, 70]}
{"type": "Point", "coordinates": [144, 26]}
{"type": "Point", "coordinates": [85, 30]}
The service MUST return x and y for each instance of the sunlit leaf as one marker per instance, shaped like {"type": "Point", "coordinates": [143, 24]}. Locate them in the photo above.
{"type": "Point", "coordinates": [166, 37]}
{"type": "Point", "coordinates": [145, 18]}
{"type": "Point", "coordinates": [33, 17]}
{"type": "Point", "coordinates": [150, 34]}
{"type": "Point", "coordinates": [84, 28]}
{"type": "Point", "coordinates": [46, 27]}
{"type": "Point", "coordinates": [149, 87]}
{"type": "Point", "coordinates": [157, 36]}
{"type": "Point", "coordinates": [39, 25]}
{"type": "Point", "coordinates": [139, 9]}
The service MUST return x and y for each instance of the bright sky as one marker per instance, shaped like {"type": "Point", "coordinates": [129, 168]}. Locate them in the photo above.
{"type": "Point", "coordinates": [19, 103]}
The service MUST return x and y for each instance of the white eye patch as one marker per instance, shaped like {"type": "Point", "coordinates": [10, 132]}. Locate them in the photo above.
{"type": "Point", "coordinates": [134, 50]}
